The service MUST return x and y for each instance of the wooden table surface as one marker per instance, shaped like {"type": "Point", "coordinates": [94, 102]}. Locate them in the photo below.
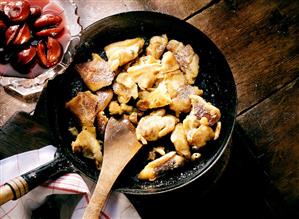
{"type": "Point", "coordinates": [260, 40]}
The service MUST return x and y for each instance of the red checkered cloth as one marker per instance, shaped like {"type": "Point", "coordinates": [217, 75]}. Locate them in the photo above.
{"type": "Point", "coordinates": [117, 205]}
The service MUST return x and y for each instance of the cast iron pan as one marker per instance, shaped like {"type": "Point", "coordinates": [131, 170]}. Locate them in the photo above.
{"type": "Point", "coordinates": [215, 78]}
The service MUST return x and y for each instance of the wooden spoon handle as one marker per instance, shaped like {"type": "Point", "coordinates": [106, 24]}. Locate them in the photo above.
{"type": "Point", "coordinates": [99, 196]}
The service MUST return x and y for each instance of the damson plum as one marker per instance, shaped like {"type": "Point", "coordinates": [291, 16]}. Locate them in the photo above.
{"type": "Point", "coordinates": [54, 51]}
{"type": "Point", "coordinates": [17, 11]}
{"type": "Point", "coordinates": [48, 25]}
{"type": "Point", "coordinates": [52, 32]}
{"type": "Point", "coordinates": [17, 35]}
{"type": "Point", "coordinates": [23, 35]}
{"type": "Point", "coordinates": [11, 33]}
{"type": "Point", "coordinates": [24, 60]}
{"type": "Point", "coordinates": [26, 56]}
{"type": "Point", "coordinates": [47, 20]}
{"type": "Point", "coordinates": [35, 12]}
{"type": "Point", "coordinates": [27, 36]}
{"type": "Point", "coordinates": [49, 52]}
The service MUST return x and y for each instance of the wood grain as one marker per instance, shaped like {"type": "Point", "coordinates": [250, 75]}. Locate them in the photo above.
{"type": "Point", "coordinates": [260, 40]}
{"type": "Point", "coordinates": [95, 10]}
{"type": "Point", "coordinates": [273, 126]}
{"type": "Point", "coordinates": [10, 105]}
{"type": "Point", "coordinates": [178, 8]}
{"type": "Point", "coordinates": [22, 133]}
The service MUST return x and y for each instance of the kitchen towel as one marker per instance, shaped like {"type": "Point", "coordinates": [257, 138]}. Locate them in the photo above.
{"type": "Point", "coordinates": [117, 205]}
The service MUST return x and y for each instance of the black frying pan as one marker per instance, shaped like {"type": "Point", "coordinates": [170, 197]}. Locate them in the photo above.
{"type": "Point", "coordinates": [215, 79]}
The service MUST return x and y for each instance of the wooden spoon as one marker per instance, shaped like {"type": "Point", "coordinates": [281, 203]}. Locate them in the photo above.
{"type": "Point", "coordinates": [120, 145]}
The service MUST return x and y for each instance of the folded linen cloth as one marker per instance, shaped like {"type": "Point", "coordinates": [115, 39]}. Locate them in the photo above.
{"type": "Point", "coordinates": [117, 205]}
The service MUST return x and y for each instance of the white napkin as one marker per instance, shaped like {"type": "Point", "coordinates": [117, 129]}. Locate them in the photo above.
{"type": "Point", "coordinates": [117, 205]}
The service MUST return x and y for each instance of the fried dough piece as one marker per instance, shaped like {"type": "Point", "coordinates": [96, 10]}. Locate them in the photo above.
{"type": "Point", "coordinates": [159, 112]}
{"type": "Point", "coordinates": [157, 46]}
{"type": "Point", "coordinates": [102, 121]}
{"type": "Point", "coordinates": [195, 156]}
{"type": "Point", "coordinates": [187, 59]}
{"type": "Point", "coordinates": [200, 136]}
{"type": "Point", "coordinates": [126, 108]}
{"type": "Point", "coordinates": [181, 102]}
{"type": "Point", "coordinates": [197, 131]}
{"type": "Point", "coordinates": [190, 122]}
{"type": "Point", "coordinates": [122, 52]}
{"type": "Point", "coordinates": [160, 151]}
{"type": "Point", "coordinates": [144, 71]}
{"type": "Point", "coordinates": [169, 63]}
{"type": "Point", "coordinates": [123, 93]}
{"type": "Point", "coordinates": [158, 97]}
{"type": "Point", "coordinates": [192, 69]}
{"type": "Point", "coordinates": [96, 73]}
{"type": "Point", "coordinates": [157, 167]}
{"type": "Point", "coordinates": [87, 144]}
{"type": "Point", "coordinates": [173, 81]}
{"type": "Point", "coordinates": [178, 138]}
{"type": "Point", "coordinates": [84, 106]}
{"type": "Point", "coordinates": [217, 130]}
{"type": "Point", "coordinates": [202, 108]}
{"type": "Point", "coordinates": [133, 117]}
{"type": "Point", "coordinates": [145, 75]}
{"type": "Point", "coordinates": [175, 46]}
{"type": "Point", "coordinates": [115, 108]}
{"type": "Point", "coordinates": [104, 98]}
{"type": "Point", "coordinates": [170, 74]}
{"type": "Point", "coordinates": [125, 87]}
{"type": "Point", "coordinates": [125, 79]}
{"type": "Point", "coordinates": [153, 127]}
{"type": "Point", "coordinates": [148, 59]}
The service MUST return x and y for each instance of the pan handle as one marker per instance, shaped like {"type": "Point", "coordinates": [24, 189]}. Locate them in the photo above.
{"type": "Point", "coordinates": [20, 185]}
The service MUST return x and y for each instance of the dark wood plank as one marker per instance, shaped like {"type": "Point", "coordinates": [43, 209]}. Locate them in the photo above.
{"type": "Point", "coordinates": [260, 40]}
{"type": "Point", "coordinates": [273, 126]}
{"type": "Point", "coordinates": [10, 105]}
{"type": "Point", "coordinates": [178, 8]}
{"type": "Point", "coordinates": [94, 10]}
{"type": "Point", "coordinates": [22, 133]}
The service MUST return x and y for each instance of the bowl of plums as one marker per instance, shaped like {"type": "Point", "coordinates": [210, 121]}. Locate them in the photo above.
{"type": "Point", "coordinates": [34, 37]}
